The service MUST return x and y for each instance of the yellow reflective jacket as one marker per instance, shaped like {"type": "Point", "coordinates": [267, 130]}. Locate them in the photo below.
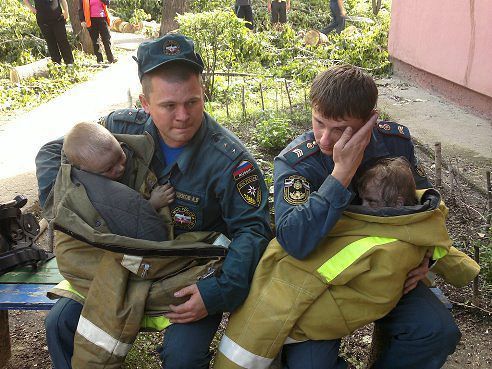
{"type": "Point", "coordinates": [118, 288]}
{"type": "Point", "coordinates": [354, 277]}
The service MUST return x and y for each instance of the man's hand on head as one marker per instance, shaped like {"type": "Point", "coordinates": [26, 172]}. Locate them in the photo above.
{"type": "Point", "coordinates": [349, 151]}
{"type": "Point", "coordinates": [417, 274]}
{"type": "Point", "coordinates": [190, 311]}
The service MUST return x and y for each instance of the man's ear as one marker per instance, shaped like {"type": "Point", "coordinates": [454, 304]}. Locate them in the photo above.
{"type": "Point", "coordinates": [400, 201]}
{"type": "Point", "coordinates": [145, 104]}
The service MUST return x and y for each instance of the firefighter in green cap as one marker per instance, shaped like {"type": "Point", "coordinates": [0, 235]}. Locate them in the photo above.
{"type": "Point", "coordinates": [218, 187]}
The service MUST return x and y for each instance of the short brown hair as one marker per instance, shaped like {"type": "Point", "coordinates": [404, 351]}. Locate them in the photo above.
{"type": "Point", "coordinates": [343, 92]}
{"type": "Point", "coordinates": [86, 143]}
{"type": "Point", "coordinates": [395, 178]}
{"type": "Point", "coordinates": [171, 72]}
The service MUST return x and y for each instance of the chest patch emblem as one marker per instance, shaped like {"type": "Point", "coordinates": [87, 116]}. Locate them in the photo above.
{"type": "Point", "coordinates": [296, 190]}
{"type": "Point", "coordinates": [242, 170]}
{"type": "Point", "coordinates": [183, 217]}
{"type": "Point", "coordinates": [250, 191]}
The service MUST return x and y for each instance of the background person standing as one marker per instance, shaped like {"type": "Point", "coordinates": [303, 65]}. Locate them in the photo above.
{"type": "Point", "coordinates": [51, 16]}
{"type": "Point", "coordinates": [338, 15]}
{"type": "Point", "coordinates": [278, 10]}
{"type": "Point", "coordinates": [93, 14]}
{"type": "Point", "coordinates": [243, 10]}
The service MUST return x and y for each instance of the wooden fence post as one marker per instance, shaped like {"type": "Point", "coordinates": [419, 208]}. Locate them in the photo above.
{"type": "Point", "coordinates": [438, 160]}
{"type": "Point", "coordinates": [288, 95]}
{"type": "Point", "coordinates": [262, 100]}
{"type": "Point", "coordinates": [476, 248]}
{"type": "Point", "coordinates": [227, 95]}
{"type": "Point", "coordinates": [276, 99]}
{"type": "Point", "coordinates": [243, 102]}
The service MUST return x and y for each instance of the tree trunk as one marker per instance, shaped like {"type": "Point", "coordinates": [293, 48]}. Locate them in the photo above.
{"type": "Point", "coordinates": [81, 33]}
{"type": "Point", "coordinates": [170, 8]}
{"type": "Point", "coordinates": [35, 69]}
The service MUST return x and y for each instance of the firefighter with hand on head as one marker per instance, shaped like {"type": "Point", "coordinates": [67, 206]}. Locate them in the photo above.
{"type": "Point", "coordinates": [315, 180]}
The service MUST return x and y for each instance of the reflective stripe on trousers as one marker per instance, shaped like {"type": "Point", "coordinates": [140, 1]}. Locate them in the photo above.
{"type": "Point", "coordinates": [100, 338]}
{"type": "Point", "coordinates": [244, 358]}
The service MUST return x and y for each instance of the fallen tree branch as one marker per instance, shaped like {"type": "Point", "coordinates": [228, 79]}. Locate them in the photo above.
{"type": "Point", "coordinates": [472, 306]}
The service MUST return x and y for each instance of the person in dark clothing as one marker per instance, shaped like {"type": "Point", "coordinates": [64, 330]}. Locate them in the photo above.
{"type": "Point", "coordinates": [93, 14]}
{"type": "Point", "coordinates": [51, 16]}
{"type": "Point", "coordinates": [278, 10]}
{"type": "Point", "coordinates": [243, 10]}
{"type": "Point", "coordinates": [338, 15]}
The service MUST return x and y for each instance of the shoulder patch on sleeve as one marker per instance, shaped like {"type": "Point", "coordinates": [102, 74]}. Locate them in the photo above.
{"type": "Point", "coordinates": [247, 181]}
{"type": "Point", "coordinates": [296, 190]}
{"type": "Point", "coordinates": [393, 129]}
{"type": "Point", "coordinates": [301, 151]}
{"type": "Point", "coordinates": [226, 146]}
{"type": "Point", "coordinates": [136, 116]}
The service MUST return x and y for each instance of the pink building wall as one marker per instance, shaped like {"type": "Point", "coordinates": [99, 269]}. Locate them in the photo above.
{"type": "Point", "coordinates": [451, 39]}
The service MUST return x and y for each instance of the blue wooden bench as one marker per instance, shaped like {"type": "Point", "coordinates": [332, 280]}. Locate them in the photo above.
{"type": "Point", "coordinates": [24, 289]}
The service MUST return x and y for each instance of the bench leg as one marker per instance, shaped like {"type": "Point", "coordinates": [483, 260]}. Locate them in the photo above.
{"type": "Point", "coordinates": [4, 338]}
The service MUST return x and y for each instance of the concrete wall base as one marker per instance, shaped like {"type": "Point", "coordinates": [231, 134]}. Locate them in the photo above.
{"type": "Point", "coordinates": [477, 103]}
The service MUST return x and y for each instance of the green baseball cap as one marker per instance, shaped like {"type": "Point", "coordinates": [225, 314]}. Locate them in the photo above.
{"type": "Point", "coordinates": [169, 48]}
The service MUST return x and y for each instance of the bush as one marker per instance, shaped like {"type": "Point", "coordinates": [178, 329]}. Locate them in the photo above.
{"type": "Point", "coordinates": [20, 36]}
{"type": "Point", "coordinates": [274, 133]}
{"type": "Point", "coordinates": [126, 8]}
{"type": "Point", "coordinates": [220, 38]}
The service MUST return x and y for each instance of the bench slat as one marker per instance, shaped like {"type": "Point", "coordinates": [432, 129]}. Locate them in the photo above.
{"type": "Point", "coordinates": [44, 274]}
{"type": "Point", "coordinates": [25, 297]}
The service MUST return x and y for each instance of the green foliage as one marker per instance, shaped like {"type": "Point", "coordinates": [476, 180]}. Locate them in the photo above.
{"type": "Point", "coordinates": [34, 91]}
{"type": "Point", "coordinates": [219, 37]}
{"type": "Point", "coordinates": [208, 5]}
{"type": "Point", "coordinates": [126, 8]}
{"type": "Point", "coordinates": [20, 37]}
{"type": "Point", "coordinates": [274, 132]}
{"type": "Point", "coordinates": [364, 47]}
{"type": "Point", "coordinates": [486, 260]}
{"type": "Point", "coordinates": [138, 16]}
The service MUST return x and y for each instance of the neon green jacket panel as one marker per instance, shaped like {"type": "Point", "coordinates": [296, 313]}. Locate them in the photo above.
{"type": "Point", "coordinates": [291, 298]}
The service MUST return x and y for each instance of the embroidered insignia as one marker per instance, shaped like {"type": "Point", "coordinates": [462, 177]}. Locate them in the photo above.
{"type": "Point", "coordinates": [311, 145]}
{"type": "Point", "coordinates": [296, 190]}
{"type": "Point", "coordinates": [171, 47]}
{"type": "Point", "coordinates": [301, 152]}
{"type": "Point", "coordinates": [250, 191]}
{"type": "Point", "coordinates": [400, 129]}
{"type": "Point", "coordinates": [385, 126]}
{"type": "Point", "coordinates": [183, 217]}
{"type": "Point", "coordinates": [187, 197]}
{"type": "Point", "coordinates": [420, 170]}
{"type": "Point", "coordinates": [298, 152]}
{"type": "Point", "coordinates": [242, 170]}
